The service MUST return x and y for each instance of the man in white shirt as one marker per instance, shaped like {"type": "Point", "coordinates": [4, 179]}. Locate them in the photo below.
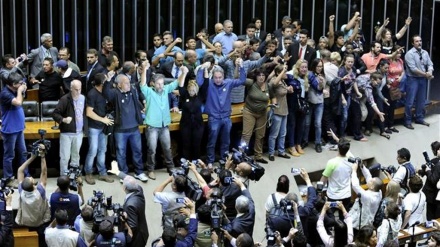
{"type": "Point", "coordinates": [368, 200]}
{"type": "Point", "coordinates": [414, 203]}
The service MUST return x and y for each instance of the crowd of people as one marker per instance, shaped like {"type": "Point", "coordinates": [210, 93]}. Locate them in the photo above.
{"type": "Point", "coordinates": [286, 83]}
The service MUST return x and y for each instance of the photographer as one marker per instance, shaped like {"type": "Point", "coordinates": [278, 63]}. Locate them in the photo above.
{"type": "Point", "coordinates": [343, 230]}
{"type": "Point", "coordinates": [368, 201]}
{"type": "Point", "coordinates": [432, 172]}
{"type": "Point", "coordinates": [169, 235]}
{"type": "Point", "coordinates": [245, 219]}
{"type": "Point", "coordinates": [338, 175]}
{"type": "Point", "coordinates": [63, 199]}
{"type": "Point", "coordinates": [231, 191]}
{"type": "Point", "coordinates": [11, 99]}
{"type": "Point", "coordinates": [6, 222]}
{"type": "Point", "coordinates": [404, 172]}
{"type": "Point", "coordinates": [108, 237]}
{"type": "Point", "coordinates": [171, 201]}
{"type": "Point", "coordinates": [58, 233]}
{"type": "Point", "coordinates": [84, 224]}
{"type": "Point", "coordinates": [34, 209]}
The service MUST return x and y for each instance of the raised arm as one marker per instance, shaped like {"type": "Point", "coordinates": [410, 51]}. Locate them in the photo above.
{"type": "Point", "coordinates": [43, 174]}
{"type": "Point", "coordinates": [206, 42]}
{"type": "Point", "coordinates": [381, 29]}
{"type": "Point", "coordinates": [402, 31]}
{"type": "Point", "coordinates": [182, 75]}
{"type": "Point", "coordinates": [331, 31]}
{"type": "Point", "coordinates": [145, 67]}
{"type": "Point", "coordinates": [20, 171]}
{"type": "Point", "coordinates": [352, 22]}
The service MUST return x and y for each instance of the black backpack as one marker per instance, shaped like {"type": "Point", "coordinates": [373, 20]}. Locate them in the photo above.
{"type": "Point", "coordinates": [380, 214]}
{"type": "Point", "coordinates": [335, 95]}
{"type": "Point", "coordinates": [276, 211]}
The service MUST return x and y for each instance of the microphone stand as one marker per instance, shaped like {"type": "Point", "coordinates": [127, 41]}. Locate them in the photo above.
{"type": "Point", "coordinates": [55, 127]}
{"type": "Point", "coordinates": [360, 211]}
{"type": "Point", "coordinates": [411, 242]}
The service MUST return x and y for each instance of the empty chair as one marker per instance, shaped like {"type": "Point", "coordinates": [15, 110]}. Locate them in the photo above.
{"type": "Point", "coordinates": [47, 108]}
{"type": "Point", "coordinates": [31, 112]}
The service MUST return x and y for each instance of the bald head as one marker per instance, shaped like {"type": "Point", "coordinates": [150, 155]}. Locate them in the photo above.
{"type": "Point", "coordinates": [75, 89]}
{"type": "Point", "coordinates": [376, 184]}
{"type": "Point", "coordinates": [191, 56]}
{"type": "Point", "coordinates": [218, 28]}
{"type": "Point", "coordinates": [130, 184]}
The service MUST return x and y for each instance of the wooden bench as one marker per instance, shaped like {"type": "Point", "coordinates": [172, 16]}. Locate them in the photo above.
{"type": "Point", "coordinates": [24, 237]}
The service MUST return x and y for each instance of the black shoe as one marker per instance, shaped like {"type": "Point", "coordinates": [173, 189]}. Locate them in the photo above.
{"type": "Point", "coordinates": [271, 157]}
{"type": "Point", "coordinates": [284, 155]}
{"type": "Point", "coordinates": [422, 123]}
{"type": "Point", "coordinates": [318, 148]}
{"type": "Point", "coordinates": [409, 126]}
{"type": "Point", "coordinates": [388, 131]}
{"type": "Point", "coordinates": [262, 161]}
{"type": "Point", "coordinates": [304, 145]}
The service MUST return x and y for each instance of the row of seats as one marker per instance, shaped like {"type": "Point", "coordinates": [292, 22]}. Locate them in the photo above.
{"type": "Point", "coordinates": [34, 111]}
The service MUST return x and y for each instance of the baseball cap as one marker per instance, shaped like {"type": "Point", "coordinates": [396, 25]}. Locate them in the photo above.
{"type": "Point", "coordinates": [61, 64]}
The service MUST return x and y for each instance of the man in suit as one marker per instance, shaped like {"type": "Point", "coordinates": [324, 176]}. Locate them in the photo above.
{"type": "Point", "coordinates": [286, 21]}
{"type": "Point", "coordinates": [93, 68]}
{"type": "Point", "coordinates": [301, 50]}
{"type": "Point", "coordinates": [36, 57]}
{"type": "Point", "coordinates": [244, 222]}
{"type": "Point", "coordinates": [259, 34]}
{"type": "Point", "coordinates": [287, 31]}
{"type": "Point", "coordinates": [171, 70]}
{"type": "Point", "coordinates": [157, 42]}
{"type": "Point", "coordinates": [250, 33]}
{"type": "Point", "coordinates": [134, 206]}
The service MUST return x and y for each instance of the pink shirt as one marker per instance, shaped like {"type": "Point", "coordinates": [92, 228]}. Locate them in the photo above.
{"type": "Point", "coordinates": [370, 61]}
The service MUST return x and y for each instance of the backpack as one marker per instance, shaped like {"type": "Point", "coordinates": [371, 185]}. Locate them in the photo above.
{"type": "Point", "coordinates": [335, 95]}
{"type": "Point", "coordinates": [380, 213]}
{"type": "Point", "coordinates": [410, 172]}
{"type": "Point", "coordinates": [276, 210]}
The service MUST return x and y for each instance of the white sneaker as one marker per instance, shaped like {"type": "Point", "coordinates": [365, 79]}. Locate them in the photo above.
{"type": "Point", "coordinates": [142, 177]}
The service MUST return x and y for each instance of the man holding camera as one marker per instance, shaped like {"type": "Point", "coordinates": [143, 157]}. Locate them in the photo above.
{"type": "Point", "coordinates": [96, 110]}
{"type": "Point", "coordinates": [432, 171]}
{"type": "Point", "coordinates": [11, 99]}
{"type": "Point", "coordinates": [171, 201]}
{"type": "Point", "coordinates": [6, 222]}
{"type": "Point", "coordinates": [69, 114]}
{"type": "Point", "coordinates": [368, 201]}
{"type": "Point", "coordinates": [107, 237]}
{"type": "Point", "coordinates": [84, 224]}
{"type": "Point", "coordinates": [34, 209]}
{"type": "Point", "coordinates": [404, 172]}
{"type": "Point", "coordinates": [338, 175]}
{"type": "Point", "coordinates": [63, 199]}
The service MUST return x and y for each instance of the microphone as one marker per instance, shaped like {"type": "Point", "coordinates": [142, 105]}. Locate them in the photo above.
{"type": "Point", "coordinates": [415, 224]}
{"type": "Point", "coordinates": [425, 155]}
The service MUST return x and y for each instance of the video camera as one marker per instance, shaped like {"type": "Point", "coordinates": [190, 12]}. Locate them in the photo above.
{"type": "Point", "coordinates": [73, 173]}
{"type": "Point", "coordinates": [100, 205]}
{"type": "Point", "coordinates": [35, 148]}
{"type": "Point", "coordinates": [240, 155]}
{"type": "Point", "coordinates": [270, 236]}
{"type": "Point", "coordinates": [216, 210]}
{"type": "Point", "coordinates": [356, 160]}
{"type": "Point", "coordinates": [389, 169]}
{"type": "Point", "coordinates": [429, 164]}
{"type": "Point", "coordinates": [286, 205]}
{"type": "Point", "coordinates": [193, 190]}
{"type": "Point", "coordinates": [4, 190]}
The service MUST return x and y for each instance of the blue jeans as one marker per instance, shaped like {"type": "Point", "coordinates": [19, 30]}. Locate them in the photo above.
{"type": "Point", "coordinates": [218, 127]}
{"type": "Point", "coordinates": [97, 146]}
{"type": "Point", "coordinates": [163, 134]}
{"type": "Point", "coordinates": [277, 130]}
{"type": "Point", "coordinates": [134, 139]}
{"type": "Point", "coordinates": [13, 143]}
{"type": "Point", "coordinates": [316, 110]}
{"type": "Point", "coordinates": [415, 91]}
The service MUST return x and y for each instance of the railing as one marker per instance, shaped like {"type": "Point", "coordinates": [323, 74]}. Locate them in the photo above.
{"type": "Point", "coordinates": [81, 24]}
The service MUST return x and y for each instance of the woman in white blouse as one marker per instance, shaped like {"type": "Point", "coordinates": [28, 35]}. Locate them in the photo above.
{"type": "Point", "coordinates": [389, 229]}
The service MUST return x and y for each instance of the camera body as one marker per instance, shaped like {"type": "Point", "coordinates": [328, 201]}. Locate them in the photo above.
{"type": "Point", "coordinates": [100, 204]}
{"type": "Point", "coordinates": [216, 213]}
{"type": "Point", "coordinates": [390, 169]}
{"type": "Point", "coordinates": [240, 155]}
{"type": "Point", "coordinates": [4, 190]}
{"type": "Point", "coordinates": [35, 148]}
{"type": "Point", "coordinates": [73, 173]}
{"type": "Point", "coordinates": [193, 190]}
{"type": "Point", "coordinates": [356, 160]}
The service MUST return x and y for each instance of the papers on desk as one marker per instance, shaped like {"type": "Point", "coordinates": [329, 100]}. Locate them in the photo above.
{"type": "Point", "coordinates": [417, 231]}
{"type": "Point", "coordinates": [400, 234]}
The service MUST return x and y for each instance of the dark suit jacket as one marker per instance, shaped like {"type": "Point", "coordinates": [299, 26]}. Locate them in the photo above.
{"type": "Point", "coordinates": [244, 223]}
{"type": "Point", "coordinates": [87, 83]}
{"type": "Point", "coordinates": [263, 35]}
{"type": "Point", "coordinates": [166, 70]}
{"type": "Point", "coordinates": [135, 208]}
{"type": "Point", "coordinates": [293, 51]}
{"type": "Point", "coordinates": [36, 57]}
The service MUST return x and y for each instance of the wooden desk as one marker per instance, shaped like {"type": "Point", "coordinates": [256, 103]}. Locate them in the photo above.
{"type": "Point", "coordinates": [24, 237]}
{"type": "Point", "coordinates": [424, 233]}
{"type": "Point", "coordinates": [31, 131]}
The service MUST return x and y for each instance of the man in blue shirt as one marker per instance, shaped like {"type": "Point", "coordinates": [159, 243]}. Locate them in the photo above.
{"type": "Point", "coordinates": [227, 37]}
{"type": "Point", "coordinates": [218, 107]}
{"type": "Point", "coordinates": [157, 116]}
{"type": "Point", "coordinates": [419, 70]}
{"type": "Point", "coordinates": [11, 99]}
{"type": "Point", "coordinates": [166, 52]}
